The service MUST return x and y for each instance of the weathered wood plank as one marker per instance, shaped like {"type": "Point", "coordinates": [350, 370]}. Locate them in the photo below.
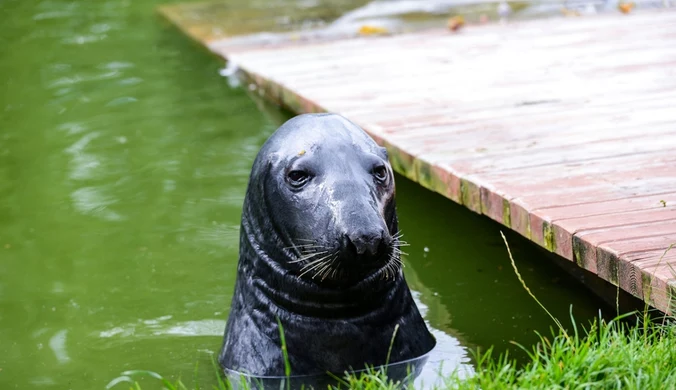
{"type": "Point", "coordinates": [622, 239]}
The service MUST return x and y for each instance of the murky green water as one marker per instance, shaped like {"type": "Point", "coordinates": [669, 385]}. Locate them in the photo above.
{"type": "Point", "coordinates": [123, 163]}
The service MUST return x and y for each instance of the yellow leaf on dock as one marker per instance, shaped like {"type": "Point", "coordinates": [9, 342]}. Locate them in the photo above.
{"type": "Point", "coordinates": [625, 8]}
{"type": "Point", "coordinates": [373, 30]}
{"type": "Point", "coordinates": [455, 23]}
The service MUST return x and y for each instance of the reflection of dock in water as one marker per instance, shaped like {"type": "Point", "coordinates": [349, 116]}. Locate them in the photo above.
{"type": "Point", "coordinates": [451, 354]}
{"type": "Point", "coordinates": [561, 129]}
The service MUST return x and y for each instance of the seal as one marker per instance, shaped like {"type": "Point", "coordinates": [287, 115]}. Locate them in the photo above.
{"type": "Point", "coordinates": [319, 251]}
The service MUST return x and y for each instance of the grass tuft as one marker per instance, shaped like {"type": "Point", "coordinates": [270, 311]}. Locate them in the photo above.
{"type": "Point", "coordinates": [287, 364]}
{"type": "Point", "coordinates": [608, 355]}
{"type": "Point", "coordinates": [523, 283]}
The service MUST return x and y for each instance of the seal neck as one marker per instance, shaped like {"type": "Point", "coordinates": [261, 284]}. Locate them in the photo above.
{"type": "Point", "coordinates": [264, 280]}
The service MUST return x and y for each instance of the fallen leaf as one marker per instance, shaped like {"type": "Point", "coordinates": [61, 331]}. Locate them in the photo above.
{"type": "Point", "coordinates": [455, 23]}
{"type": "Point", "coordinates": [664, 203]}
{"type": "Point", "coordinates": [302, 152]}
{"type": "Point", "coordinates": [372, 30]}
{"type": "Point", "coordinates": [625, 8]}
{"type": "Point", "coordinates": [569, 12]}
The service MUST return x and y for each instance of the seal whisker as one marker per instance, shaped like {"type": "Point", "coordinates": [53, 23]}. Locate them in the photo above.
{"type": "Point", "coordinates": [326, 265]}
{"type": "Point", "coordinates": [313, 262]}
{"type": "Point", "coordinates": [391, 266]}
{"type": "Point", "coordinates": [396, 266]}
{"type": "Point", "coordinates": [388, 268]}
{"type": "Point", "coordinates": [333, 262]}
{"type": "Point", "coordinates": [325, 268]}
{"type": "Point", "coordinates": [313, 265]}
{"type": "Point", "coordinates": [304, 246]}
{"type": "Point", "coordinates": [310, 269]}
{"type": "Point", "coordinates": [334, 273]}
{"type": "Point", "coordinates": [311, 246]}
{"type": "Point", "coordinates": [309, 251]}
{"type": "Point", "coordinates": [398, 251]}
{"type": "Point", "coordinates": [308, 256]}
{"type": "Point", "coordinates": [398, 235]}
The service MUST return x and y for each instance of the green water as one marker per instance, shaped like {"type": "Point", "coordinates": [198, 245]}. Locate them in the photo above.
{"type": "Point", "coordinates": [123, 163]}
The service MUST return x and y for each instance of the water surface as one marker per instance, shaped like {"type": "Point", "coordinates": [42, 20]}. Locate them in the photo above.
{"type": "Point", "coordinates": [124, 158]}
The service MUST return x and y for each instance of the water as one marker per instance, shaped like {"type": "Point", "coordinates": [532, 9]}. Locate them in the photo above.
{"type": "Point", "coordinates": [124, 158]}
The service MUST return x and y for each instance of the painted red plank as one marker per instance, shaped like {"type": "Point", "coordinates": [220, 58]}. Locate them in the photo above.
{"type": "Point", "coordinates": [622, 239]}
{"type": "Point", "coordinates": [637, 269]}
{"type": "Point", "coordinates": [562, 231]}
{"type": "Point", "coordinates": [554, 186]}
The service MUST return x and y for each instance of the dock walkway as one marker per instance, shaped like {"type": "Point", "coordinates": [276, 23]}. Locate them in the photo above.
{"type": "Point", "coordinates": [563, 130]}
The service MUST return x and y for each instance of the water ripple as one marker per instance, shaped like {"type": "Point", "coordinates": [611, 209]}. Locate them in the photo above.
{"type": "Point", "coordinates": [58, 345]}
{"type": "Point", "coordinates": [161, 326]}
{"type": "Point", "coordinates": [83, 39]}
{"type": "Point", "coordinates": [121, 100]}
{"type": "Point", "coordinates": [116, 65]}
{"type": "Point", "coordinates": [91, 201]}
{"type": "Point", "coordinates": [78, 78]}
{"type": "Point", "coordinates": [53, 15]}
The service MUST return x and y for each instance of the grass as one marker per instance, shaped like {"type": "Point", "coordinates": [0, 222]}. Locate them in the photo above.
{"type": "Point", "coordinates": [608, 355]}
{"type": "Point", "coordinates": [604, 355]}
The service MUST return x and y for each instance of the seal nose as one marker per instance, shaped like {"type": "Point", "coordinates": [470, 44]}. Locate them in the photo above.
{"type": "Point", "coordinates": [368, 242]}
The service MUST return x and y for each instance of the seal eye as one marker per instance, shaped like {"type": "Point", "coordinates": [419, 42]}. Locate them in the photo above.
{"type": "Point", "coordinates": [380, 173]}
{"type": "Point", "coordinates": [297, 178]}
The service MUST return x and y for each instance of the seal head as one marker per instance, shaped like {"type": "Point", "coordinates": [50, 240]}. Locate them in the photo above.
{"type": "Point", "coordinates": [319, 250]}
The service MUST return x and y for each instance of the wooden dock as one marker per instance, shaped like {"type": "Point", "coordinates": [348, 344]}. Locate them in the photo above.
{"type": "Point", "coordinates": [563, 130]}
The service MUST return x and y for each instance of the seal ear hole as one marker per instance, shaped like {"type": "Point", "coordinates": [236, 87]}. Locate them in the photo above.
{"type": "Point", "coordinates": [297, 178]}
{"type": "Point", "coordinates": [380, 173]}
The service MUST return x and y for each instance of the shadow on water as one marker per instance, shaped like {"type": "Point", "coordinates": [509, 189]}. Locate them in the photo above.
{"type": "Point", "coordinates": [124, 159]}
{"type": "Point", "coordinates": [459, 264]}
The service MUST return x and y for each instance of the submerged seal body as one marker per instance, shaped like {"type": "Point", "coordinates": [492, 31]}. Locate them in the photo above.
{"type": "Point", "coordinates": [319, 250]}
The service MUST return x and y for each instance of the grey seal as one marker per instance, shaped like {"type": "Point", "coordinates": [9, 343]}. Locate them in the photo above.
{"type": "Point", "coordinates": [319, 250]}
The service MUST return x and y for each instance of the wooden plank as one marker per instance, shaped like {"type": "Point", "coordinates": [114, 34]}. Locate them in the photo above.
{"type": "Point", "coordinates": [560, 185]}
{"type": "Point", "coordinates": [622, 239]}
{"type": "Point", "coordinates": [562, 231]}
{"type": "Point", "coordinates": [563, 131]}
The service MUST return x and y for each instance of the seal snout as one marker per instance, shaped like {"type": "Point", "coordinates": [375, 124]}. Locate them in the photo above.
{"type": "Point", "coordinates": [370, 243]}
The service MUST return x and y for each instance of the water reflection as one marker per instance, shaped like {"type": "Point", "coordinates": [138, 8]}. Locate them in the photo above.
{"type": "Point", "coordinates": [58, 345]}
{"type": "Point", "coordinates": [448, 356]}
{"type": "Point", "coordinates": [163, 326]}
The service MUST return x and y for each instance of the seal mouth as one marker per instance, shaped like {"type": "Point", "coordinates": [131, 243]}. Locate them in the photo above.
{"type": "Point", "coordinates": [343, 266]}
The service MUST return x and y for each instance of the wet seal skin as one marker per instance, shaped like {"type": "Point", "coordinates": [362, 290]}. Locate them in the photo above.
{"type": "Point", "coordinates": [319, 249]}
